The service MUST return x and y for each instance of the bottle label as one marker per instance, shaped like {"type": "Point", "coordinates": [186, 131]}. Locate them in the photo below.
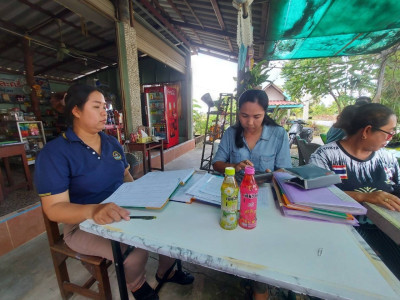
{"type": "Point", "coordinates": [229, 204]}
{"type": "Point", "coordinates": [248, 210]}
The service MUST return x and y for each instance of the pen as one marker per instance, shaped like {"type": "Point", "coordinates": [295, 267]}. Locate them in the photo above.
{"type": "Point", "coordinates": [143, 217]}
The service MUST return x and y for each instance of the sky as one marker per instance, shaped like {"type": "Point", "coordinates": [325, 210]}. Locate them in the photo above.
{"type": "Point", "coordinates": [213, 75]}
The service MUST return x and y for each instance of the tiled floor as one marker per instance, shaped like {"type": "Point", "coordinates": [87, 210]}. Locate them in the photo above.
{"type": "Point", "coordinates": [19, 198]}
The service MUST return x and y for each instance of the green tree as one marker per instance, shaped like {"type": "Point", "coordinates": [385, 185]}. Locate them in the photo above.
{"type": "Point", "coordinates": [343, 78]}
{"type": "Point", "coordinates": [391, 84]}
{"type": "Point", "coordinates": [199, 119]}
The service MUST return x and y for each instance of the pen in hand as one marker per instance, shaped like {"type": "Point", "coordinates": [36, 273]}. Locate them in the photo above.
{"type": "Point", "coordinates": [143, 217]}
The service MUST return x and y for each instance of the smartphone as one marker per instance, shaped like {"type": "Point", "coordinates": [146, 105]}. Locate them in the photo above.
{"type": "Point", "coordinates": [260, 177]}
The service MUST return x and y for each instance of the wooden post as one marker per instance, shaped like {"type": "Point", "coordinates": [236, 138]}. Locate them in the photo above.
{"type": "Point", "coordinates": [123, 10]}
{"type": "Point", "coordinates": [28, 59]}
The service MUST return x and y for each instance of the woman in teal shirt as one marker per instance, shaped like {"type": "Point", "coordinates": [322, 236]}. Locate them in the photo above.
{"type": "Point", "coordinates": [255, 140]}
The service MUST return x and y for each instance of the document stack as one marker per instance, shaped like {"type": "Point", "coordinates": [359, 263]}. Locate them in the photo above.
{"type": "Point", "coordinates": [201, 187]}
{"type": "Point", "coordinates": [324, 204]}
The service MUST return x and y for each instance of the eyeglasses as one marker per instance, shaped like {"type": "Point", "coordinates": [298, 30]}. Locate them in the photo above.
{"type": "Point", "coordinates": [389, 134]}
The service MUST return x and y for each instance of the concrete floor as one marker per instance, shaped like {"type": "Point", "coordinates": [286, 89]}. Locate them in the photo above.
{"type": "Point", "coordinates": [27, 272]}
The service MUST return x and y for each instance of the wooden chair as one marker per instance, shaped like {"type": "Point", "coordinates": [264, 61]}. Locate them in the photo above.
{"type": "Point", "coordinates": [60, 252]}
{"type": "Point", "coordinates": [305, 150]}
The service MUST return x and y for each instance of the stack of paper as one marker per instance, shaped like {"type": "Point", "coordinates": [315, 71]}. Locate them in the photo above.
{"type": "Point", "coordinates": [153, 190]}
{"type": "Point", "coordinates": [325, 204]}
{"type": "Point", "coordinates": [203, 187]}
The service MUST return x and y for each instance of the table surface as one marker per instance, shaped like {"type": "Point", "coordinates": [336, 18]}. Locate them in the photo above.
{"type": "Point", "coordinates": [281, 251]}
{"type": "Point", "coordinates": [388, 221]}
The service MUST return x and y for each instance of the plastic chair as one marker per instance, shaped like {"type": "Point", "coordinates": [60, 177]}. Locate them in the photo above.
{"type": "Point", "coordinates": [305, 150]}
{"type": "Point", "coordinates": [60, 252]}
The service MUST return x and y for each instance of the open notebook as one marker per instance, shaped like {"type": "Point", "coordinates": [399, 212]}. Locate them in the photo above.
{"type": "Point", "coordinates": [153, 190]}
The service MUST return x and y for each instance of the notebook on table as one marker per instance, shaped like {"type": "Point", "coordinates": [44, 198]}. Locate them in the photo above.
{"type": "Point", "coordinates": [312, 177]}
{"type": "Point", "coordinates": [329, 198]}
{"type": "Point", "coordinates": [152, 191]}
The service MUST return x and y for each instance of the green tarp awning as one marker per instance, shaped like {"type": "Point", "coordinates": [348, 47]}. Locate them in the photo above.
{"type": "Point", "coordinates": [324, 28]}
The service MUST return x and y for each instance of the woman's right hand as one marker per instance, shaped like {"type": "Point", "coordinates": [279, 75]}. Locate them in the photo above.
{"type": "Point", "coordinates": [109, 213]}
{"type": "Point", "coordinates": [241, 165]}
{"type": "Point", "coordinates": [383, 199]}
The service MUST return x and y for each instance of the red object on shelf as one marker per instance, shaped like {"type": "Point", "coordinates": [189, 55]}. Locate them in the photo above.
{"type": "Point", "coordinates": [115, 130]}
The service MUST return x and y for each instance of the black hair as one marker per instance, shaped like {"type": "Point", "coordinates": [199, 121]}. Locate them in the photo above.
{"type": "Point", "coordinates": [362, 100]}
{"type": "Point", "coordinates": [353, 117]}
{"type": "Point", "coordinates": [254, 96]}
{"type": "Point", "coordinates": [77, 95]}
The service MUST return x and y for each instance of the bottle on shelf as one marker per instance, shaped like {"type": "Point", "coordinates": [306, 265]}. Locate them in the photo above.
{"type": "Point", "coordinates": [229, 200]}
{"type": "Point", "coordinates": [248, 200]}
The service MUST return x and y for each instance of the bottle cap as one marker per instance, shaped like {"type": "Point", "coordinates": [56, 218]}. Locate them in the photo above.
{"type": "Point", "coordinates": [229, 171]}
{"type": "Point", "coordinates": [249, 170]}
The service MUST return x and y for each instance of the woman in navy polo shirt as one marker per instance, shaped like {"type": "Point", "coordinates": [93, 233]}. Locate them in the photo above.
{"type": "Point", "coordinates": [80, 169]}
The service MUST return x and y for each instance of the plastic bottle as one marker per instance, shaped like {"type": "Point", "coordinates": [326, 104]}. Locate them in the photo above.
{"type": "Point", "coordinates": [229, 200]}
{"type": "Point", "coordinates": [248, 200]}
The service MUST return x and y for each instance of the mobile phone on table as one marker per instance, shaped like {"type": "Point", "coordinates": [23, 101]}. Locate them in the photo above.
{"type": "Point", "coordinates": [260, 177]}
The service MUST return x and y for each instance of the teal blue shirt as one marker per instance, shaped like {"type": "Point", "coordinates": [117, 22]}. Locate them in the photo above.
{"type": "Point", "coordinates": [270, 152]}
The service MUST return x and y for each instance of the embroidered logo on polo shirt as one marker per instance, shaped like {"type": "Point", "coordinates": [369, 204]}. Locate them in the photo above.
{"type": "Point", "coordinates": [340, 170]}
{"type": "Point", "coordinates": [117, 155]}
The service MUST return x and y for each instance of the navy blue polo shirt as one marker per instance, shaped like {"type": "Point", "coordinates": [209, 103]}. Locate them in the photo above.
{"type": "Point", "coordinates": [67, 163]}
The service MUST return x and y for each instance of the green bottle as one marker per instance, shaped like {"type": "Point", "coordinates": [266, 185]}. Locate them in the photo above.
{"type": "Point", "coordinates": [229, 200]}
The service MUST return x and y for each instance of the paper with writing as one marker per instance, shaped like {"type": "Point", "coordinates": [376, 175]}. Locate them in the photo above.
{"type": "Point", "coordinates": [152, 190]}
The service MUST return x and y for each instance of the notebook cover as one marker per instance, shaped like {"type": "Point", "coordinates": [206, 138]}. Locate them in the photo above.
{"type": "Point", "coordinates": [312, 177]}
{"type": "Point", "coordinates": [331, 198]}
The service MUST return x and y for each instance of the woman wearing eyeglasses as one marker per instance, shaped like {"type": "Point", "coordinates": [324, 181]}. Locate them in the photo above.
{"type": "Point", "coordinates": [368, 172]}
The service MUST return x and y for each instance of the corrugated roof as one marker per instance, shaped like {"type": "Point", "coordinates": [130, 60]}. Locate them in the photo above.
{"type": "Point", "coordinates": [209, 26]}
{"type": "Point", "coordinates": [283, 103]}
{"type": "Point", "coordinates": [39, 20]}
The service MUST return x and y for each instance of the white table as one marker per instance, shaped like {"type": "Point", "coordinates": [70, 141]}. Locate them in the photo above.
{"type": "Point", "coordinates": [280, 251]}
{"type": "Point", "coordinates": [386, 220]}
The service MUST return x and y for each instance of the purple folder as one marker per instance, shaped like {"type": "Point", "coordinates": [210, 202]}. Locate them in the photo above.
{"type": "Point", "coordinates": [329, 198]}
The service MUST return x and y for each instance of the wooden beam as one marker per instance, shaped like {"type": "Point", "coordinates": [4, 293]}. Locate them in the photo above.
{"type": "Point", "coordinates": [221, 21]}
{"type": "Point", "coordinates": [30, 80]}
{"type": "Point", "coordinates": [205, 29]}
{"type": "Point", "coordinates": [218, 14]}
{"type": "Point", "coordinates": [151, 9]}
{"type": "Point", "coordinates": [71, 59]}
{"type": "Point", "coordinates": [264, 20]}
{"type": "Point", "coordinates": [229, 58]}
{"type": "Point", "coordinates": [37, 28]}
{"type": "Point", "coordinates": [46, 12]}
{"type": "Point", "coordinates": [193, 13]}
{"type": "Point", "coordinates": [168, 17]}
{"type": "Point", "coordinates": [175, 8]}
{"type": "Point", "coordinates": [224, 52]}
{"type": "Point", "coordinates": [19, 30]}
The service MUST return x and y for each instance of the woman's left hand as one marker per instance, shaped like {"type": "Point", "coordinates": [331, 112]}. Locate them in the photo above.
{"type": "Point", "coordinates": [380, 198]}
